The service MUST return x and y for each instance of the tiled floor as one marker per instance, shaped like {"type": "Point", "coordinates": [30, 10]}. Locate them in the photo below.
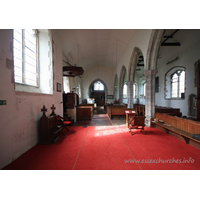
{"type": "Point", "coordinates": [100, 118]}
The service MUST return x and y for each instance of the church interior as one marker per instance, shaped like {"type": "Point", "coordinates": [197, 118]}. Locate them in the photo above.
{"type": "Point", "coordinates": [146, 70]}
{"type": "Point", "coordinates": [105, 105]}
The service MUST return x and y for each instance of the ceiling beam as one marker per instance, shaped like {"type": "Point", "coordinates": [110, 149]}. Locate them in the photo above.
{"type": "Point", "coordinates": [140, 65]}
{"type": "Point", "coordinates": [170, 43]}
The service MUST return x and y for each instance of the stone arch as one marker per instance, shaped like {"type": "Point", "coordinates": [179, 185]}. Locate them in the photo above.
{"type": "Point", "coordinates": [121, 83]}
{"type": "Point", "coordinates": [105, 87]}
{"type": "Point", "coordinates": [153, 49]}
{"type": "Point", "coordinates": [122, 73]}
{"type": "Point", "coordinates": [150, 73]}
{"type": "Point", "coordinates": [133, 62]}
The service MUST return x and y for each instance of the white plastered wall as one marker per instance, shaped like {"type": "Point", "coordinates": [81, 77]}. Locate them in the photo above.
{"type": "Point", "coordinates": [20, 116]}
{"type": "Point", "coordinates": [106, 74]}
{"type": "Point", "coordinates": [187, 58]}
{"type": "Point", "coordinates": [140, 40]}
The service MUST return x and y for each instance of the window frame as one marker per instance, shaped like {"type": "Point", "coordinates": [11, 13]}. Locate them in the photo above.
{"type": "Point", "coordinates": [144, 89]}
{"type": "Point", "coordinates": [100, 85]}
{"type": "Point", "coordinates": [23, 56]}
{"type": "Point", "coordinates": [178, 73]}
{"type": "Point", "coordinates": [167, 82]}
{"type": "Point", "coordinates": [125, 95]}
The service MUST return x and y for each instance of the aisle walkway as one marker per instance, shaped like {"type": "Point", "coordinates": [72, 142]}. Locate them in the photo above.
{"type": "Point", "coordinates": [100, 118]}
{"type": "Point", "coordinates": [110, 148]}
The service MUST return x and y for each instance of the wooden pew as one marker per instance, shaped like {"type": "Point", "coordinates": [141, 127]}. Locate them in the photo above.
{"type": "Point", "coordinates": [49, 131]}
{"type": "Point", "coordinates": [183, 127]}
{"type": "Point", "coordinates": [140, 110]}
{"type": "Point", "coordinates": [172, 111]}
{"type": "Point", "coordinates": [117, 110]}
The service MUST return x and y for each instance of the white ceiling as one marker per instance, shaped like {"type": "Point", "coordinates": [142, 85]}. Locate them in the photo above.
{"type": "Point", "coordinates": [94, 47]}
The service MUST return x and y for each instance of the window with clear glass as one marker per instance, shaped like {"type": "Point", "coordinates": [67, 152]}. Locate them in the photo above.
{"type": "Point", "coordinates": [25, 56]}
{"type": "Point", "coordinates": [125, 88]}
{"type": "Point", "coordinates": [134, 90]}
{"type": "Point", "coordinates": [144, 89]}
{"type": "Point", "coordinates": [98, 86]}
{"type": "Point", "coordinates": [177, 84]}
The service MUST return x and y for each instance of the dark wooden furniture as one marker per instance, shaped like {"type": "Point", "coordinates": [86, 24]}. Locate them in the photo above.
{"type": "Point", "coordinates": [70, 100]}
{"type": "Point", "coordinates": [61, 121]}
{"type": "Point", "coordinates": [117, 110]}
{"type": "Point", "coordinates": [137, 122]}
{"type": "Point", "coordinates": [89, 105]}
{"type": "Point", "coordinates": [72, 71]}
{"type": "Point", "coordinates": [140, 110]}
{"type": "Point", "coordinates": [197, 66]}
{"type": "Point", "coordinates": [84, 112]}
{"type": "Point", "coordinates": [129, 116]}
{"type": "Point", "coordinates": [172, 111]}
{"type": "Point", "coordinates": [183, 127]}
{"type": "Point", "coordinates": [49, 131]}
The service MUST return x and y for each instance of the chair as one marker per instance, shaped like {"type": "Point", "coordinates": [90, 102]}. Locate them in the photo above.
{"type": "Point", "coordinates": [137, 122]}
{"type": "Point", "coordinates": [63, 122]}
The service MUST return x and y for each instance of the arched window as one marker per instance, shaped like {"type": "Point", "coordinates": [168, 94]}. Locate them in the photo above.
{"type": "Point", "coordinates": [134, 91]}
{"type": "Point", "coordinates": [144, 89]}
{"type": "Point", "coordinates": [177, 83]}
{"type": "Point", "coordinates": [98, 86]}
{"type": "Point", "coordinates": [125, 90]}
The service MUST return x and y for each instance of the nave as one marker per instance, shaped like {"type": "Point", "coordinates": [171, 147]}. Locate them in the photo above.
{"type": "Point", "coordinates": [104, 145]}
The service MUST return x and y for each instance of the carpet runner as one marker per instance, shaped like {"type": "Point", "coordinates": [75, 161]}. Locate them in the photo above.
{"type": "Point", "coordinates": [110, 148]}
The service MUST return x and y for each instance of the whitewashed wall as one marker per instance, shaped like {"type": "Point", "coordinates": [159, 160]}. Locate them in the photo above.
{"type": "Point", "coordinates": [20, 116]}
{"type": "Point", "coordinates": [188, 54]}
{"type": "Point", "coordinates": [106, 74]}
{"type": "Point", "coordinates": [140, 40]}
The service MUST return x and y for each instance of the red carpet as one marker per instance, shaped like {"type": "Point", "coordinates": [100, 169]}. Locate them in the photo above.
{"type": "Point", "coordinates": [110, 148]}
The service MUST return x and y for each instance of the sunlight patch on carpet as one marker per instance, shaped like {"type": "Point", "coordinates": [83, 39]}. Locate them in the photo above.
{"type": "Point", "coordinates": [109, 130]}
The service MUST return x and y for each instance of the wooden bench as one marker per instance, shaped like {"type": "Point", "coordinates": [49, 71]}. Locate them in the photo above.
{"type": "Point", "coordinates": [183, 127]}
{"type": "Point", "coordinates": [117, 110]}
{"type": "Point", "coordinates": [49, 131]}
{"type": "Point", "coordinates": [172, 111]}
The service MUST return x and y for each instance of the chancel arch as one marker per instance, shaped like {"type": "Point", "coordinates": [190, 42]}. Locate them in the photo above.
{"type": "Point", "coordinates": [98, 93]}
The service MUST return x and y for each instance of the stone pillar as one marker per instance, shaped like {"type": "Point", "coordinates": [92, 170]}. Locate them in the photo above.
{"type": "Point", "coordinates": [120, 95]}
{"type": "Point", "coordinates": [130, 94]}
{"type": "Point", "coordinates": [150, 95]}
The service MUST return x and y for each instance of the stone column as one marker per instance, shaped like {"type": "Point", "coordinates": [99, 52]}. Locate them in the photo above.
{"type": "Point", "coordinates": [150, 95]}
{"type": "Point", "coordinates": [120, 95]}
{"type": "Point", "coordinates": [130, 94]}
